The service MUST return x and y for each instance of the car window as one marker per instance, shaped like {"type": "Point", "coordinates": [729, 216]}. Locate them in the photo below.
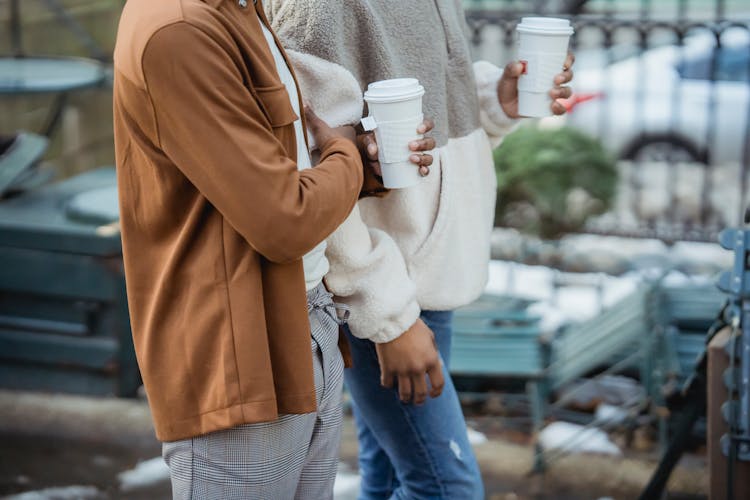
{"type": "Point", "coordinates": [732, 65]}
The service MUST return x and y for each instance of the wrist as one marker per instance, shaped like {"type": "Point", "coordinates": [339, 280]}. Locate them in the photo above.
{"type": "Point", "coordinates": [334, 142]}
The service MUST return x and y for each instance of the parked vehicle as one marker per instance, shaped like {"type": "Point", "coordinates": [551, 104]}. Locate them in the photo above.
{"type": "Point", "coordinates": [674, 103]}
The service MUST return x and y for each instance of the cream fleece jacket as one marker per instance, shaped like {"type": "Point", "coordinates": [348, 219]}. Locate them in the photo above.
{"type": "Point", "coordinates": [425, 247]}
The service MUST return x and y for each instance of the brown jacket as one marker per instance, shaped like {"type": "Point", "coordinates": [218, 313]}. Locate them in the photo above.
{"type": "Point", "coordinates": [215, 216]}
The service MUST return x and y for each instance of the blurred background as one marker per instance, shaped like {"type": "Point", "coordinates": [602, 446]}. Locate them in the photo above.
{"type": "Point", "coordinates": [602, 345]}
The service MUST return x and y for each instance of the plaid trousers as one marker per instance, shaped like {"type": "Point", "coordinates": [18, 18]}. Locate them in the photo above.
{"type": "Point", "coordinates": [294, 457]}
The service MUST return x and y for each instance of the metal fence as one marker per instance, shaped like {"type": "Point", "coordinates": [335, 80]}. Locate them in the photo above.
{"type": "Point", "coordinates": [665, 85]}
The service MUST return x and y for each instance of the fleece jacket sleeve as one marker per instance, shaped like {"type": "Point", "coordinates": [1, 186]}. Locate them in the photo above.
{"type": "Point", "coordinates": [368, 271]}
{"type": "Point", "coordinates": [368, 274]}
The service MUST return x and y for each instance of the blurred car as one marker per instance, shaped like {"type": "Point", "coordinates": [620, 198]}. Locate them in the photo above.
{"type": "Point", "coordinates": [677, 103]}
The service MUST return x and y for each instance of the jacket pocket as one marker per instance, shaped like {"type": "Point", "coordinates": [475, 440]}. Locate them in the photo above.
{"type": "Point", "coordinates": [276, 105]}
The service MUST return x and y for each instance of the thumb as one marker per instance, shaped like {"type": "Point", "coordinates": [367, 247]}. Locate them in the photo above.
{"type": "Point", "coordinates": [514, 70]}
{"type": "Point", "coordinates": [508, 86]}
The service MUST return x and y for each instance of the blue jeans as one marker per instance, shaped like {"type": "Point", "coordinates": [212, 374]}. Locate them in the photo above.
{"type": "Point", "coordinates": [407, 451]}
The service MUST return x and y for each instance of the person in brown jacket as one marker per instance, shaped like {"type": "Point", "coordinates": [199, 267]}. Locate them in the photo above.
{"type": "Point", "coordinates": [222, 225]}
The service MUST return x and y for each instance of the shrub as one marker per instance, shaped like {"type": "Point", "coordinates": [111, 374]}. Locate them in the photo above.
{"type": "Point", "coordinates": [550, 181]}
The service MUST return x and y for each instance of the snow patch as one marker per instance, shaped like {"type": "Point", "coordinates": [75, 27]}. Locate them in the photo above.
{"type": "Point", "coordinates": [676, 279]}
{"type": "Point", "coordinates": [573, 438]}
{"type": "Point", "coordinates": [561, 298]}
{"type": "Point", "coordinates": [475, 437]}
{"type": "Point", "coordinates": [146, 473]}
{"type": "Point", "coordinates": [61, 493]}
{"type": "Point", "coordinates": [611, 415]}
{"type": "Point", "coordinates": [615, 390]}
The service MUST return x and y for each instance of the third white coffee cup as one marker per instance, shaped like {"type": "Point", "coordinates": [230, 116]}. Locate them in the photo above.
{"type": "Point", "coordinates": [395, 114]}
{"type": "Point", "coordinates": [542, 48]}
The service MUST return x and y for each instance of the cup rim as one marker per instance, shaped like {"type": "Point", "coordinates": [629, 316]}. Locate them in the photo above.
{"type": "Point", "coordinates": [393, 90]}
{"type": "Point", "coordinates": [538, 25]}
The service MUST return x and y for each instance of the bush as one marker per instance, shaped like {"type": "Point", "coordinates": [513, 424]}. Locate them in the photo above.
{"type": "Point", "coordinates": [550, 181]}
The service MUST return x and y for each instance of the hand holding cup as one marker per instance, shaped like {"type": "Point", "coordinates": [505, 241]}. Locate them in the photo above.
{"type": "Point", "coordinates": [396, 117]}
{"type": "Point", "coordinates": [368, 148]}
{"type": "Point", "coordinates": [524, 89]}
{"type": "Point", "coordinates": [507, 88]}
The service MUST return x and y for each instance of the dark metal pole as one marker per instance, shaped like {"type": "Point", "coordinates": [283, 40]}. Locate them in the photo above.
{"type": "Point", "coordinates": [696, 407]}
{"type": "Point", "coordinates": [15, 28]}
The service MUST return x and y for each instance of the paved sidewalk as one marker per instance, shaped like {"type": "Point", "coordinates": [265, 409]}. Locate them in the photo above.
{"type": "Point", "coordinates": [51, 441]}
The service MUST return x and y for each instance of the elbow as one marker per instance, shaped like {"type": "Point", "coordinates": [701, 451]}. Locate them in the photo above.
{"type": "Point", "coordinates": [280, 253]}
{"type": "Point", "coordinates": [292, 231]}
{"type": "Point", "coordinates": [285, 241]}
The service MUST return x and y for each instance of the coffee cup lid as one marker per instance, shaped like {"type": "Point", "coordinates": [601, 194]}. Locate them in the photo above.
{"type": "Point", "coordinates": [545, 26]}
{"type": "Point", "coordinates": [395, 90]}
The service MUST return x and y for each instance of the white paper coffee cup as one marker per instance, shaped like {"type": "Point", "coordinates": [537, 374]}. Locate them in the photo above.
{"type": "Point", "coordinates": [395, 108]}
{"type": "Point", "coordinates": [542, 48]}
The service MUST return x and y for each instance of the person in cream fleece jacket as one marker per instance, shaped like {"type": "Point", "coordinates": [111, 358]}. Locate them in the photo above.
{"type": "Point", "coordinates": [405, 260]}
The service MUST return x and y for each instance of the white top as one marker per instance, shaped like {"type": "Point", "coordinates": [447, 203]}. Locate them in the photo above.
{"type": "Point", "coordinates": [315, 262]}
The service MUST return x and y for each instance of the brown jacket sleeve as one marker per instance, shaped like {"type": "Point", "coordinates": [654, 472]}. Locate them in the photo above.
{"type": "Point", "coordinates": [213, 128]}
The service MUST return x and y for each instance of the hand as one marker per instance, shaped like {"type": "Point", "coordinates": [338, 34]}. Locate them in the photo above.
{"type": "Point", "coordinates": [323, 133]}
{"type": "Point", "coordinates": [408, 358]}
{"type": "Point", "coordinates": [507, 89]}
{"type": "Point", "coordinates": [368, 148]}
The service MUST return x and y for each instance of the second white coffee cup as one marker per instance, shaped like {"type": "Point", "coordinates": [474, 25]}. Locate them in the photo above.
{"type": "Point", "coordinates": [395, 108]}
{"type": "Point", "coordinates": [542, 48]}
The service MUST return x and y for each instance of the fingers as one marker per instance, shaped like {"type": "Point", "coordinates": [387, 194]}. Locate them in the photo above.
{"type": "Point", "coordinates": [368, 149]}
{"type": "Point", "coordinates": [561, 93]}
{"type": "Point", "coordinates": [404, 388]}
{"type": "Point", "coordinates": [564, 77]}
{"type": "Point", "coordinates": [437, 381]}
{"type": "Point", "coordinates": [567, 73]}
{"type": "Point", "coordinates": [569, 61]}
{"type": "Point", "coordinates": [419, 388]}
{"type": "Point", "coordinates": [425, 144]}
{"type": "Point", "coordinates": [425, 126]}
{"type": "Point", "coordinates": [371, 147]}
{"type": "Point", "coordinates": [513, 70]}
{"type": "Point", "coordinates": [558, 108]}
{"type": "Point", "coordinates": [423, 160]}
{"type": "Point", "coordinates": [386, 378]}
